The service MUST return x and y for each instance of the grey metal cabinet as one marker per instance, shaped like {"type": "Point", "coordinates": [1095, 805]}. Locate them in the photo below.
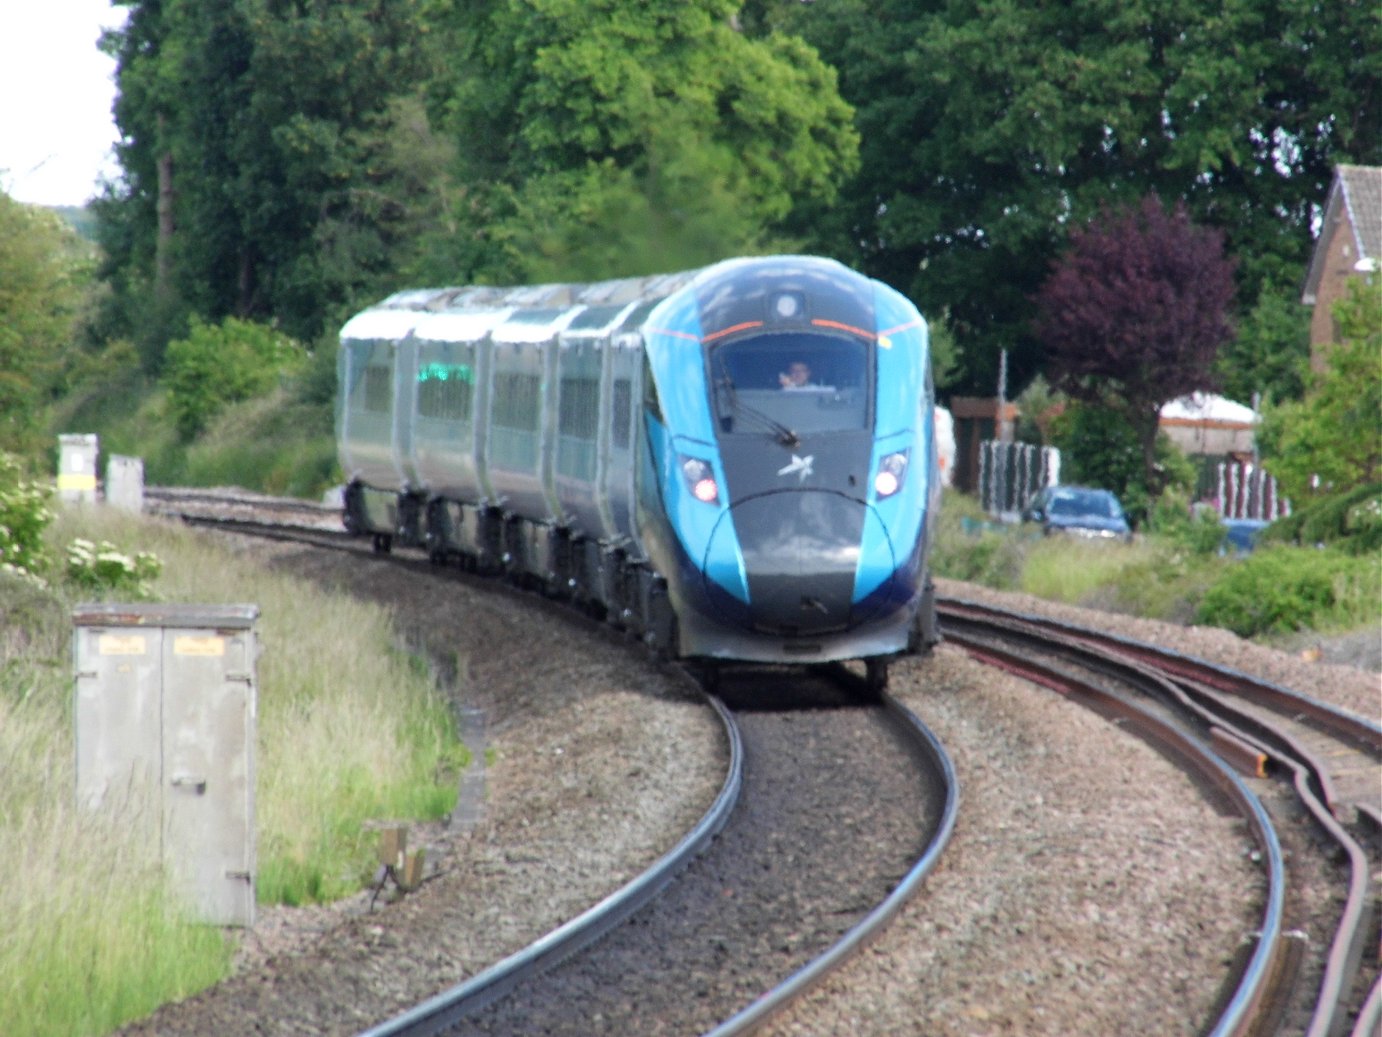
{"type": "Point", "coordinates": [164, 708]}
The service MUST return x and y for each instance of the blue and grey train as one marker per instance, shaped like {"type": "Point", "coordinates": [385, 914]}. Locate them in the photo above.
{"type": "Point", "coordinates": [735, 463]}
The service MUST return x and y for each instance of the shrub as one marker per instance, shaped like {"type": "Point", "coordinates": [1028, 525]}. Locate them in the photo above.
{"type": "Point", "coordinates": [969, 547]}
{"type": "Point", "coordinates": [214, 366]}
{"type": "Point", "coordinates": [1280, 589]}
{"type": "Point", "coordinates": [103, 568]}
{"type": "Point", "coordinates": [1351, 522]}
{"type": "Point", "coordinates": [24, 514]}
{"type": "Point", "coordinates": [1172, 519]}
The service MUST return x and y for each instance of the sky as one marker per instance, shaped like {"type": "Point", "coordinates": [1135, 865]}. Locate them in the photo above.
{"type": "Point", "coordinates": [56, 89]}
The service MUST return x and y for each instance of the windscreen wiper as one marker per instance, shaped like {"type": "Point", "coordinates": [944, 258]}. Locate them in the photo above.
{"type": "Point", "coordinates": [781, 432]}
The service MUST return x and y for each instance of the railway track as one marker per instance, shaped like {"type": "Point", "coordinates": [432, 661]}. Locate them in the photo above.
{"type": "Point", "coordinates": [801, 875]}
{"type": "Point", "coordinates": [1307, 777]}
{"type": "Point", "coordinates": [1294, 760]}
{"type": "Point", "coordinates": [805, 871]}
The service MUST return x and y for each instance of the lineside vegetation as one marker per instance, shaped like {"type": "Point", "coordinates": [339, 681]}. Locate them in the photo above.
{"type": "Point", "coordinates": [350, 729]}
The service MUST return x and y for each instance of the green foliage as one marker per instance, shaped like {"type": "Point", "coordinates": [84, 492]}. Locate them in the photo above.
{"type": "Point", "coordinates": [277, 135]}
{"type": "Point", "coordinates": [104, 570]}
{"type": "Point", "coordinates": [273, 443]}
{"type": "Point", "coordinates": [986, 127]}
{"type": "Point", "coordinates": [1173, 520]}
{"type": "Point", "coordinates": [969, 547]}
{"type": "Point", "coordinates": [1064, 569]}
{"type": "Point", "coordinates": [1099, 448]}
{"type": "Point", "coordinates": [1280, 589]}
{"type": "Point", "coordinates": [1350, 522]}
{"type": "Point", "coordinates": [45, 270]}
{"type": "Point", "coordinates": [608, 138]}
{"type": "Point", "coordinates": [24, 515]}
{"type": "Point", "coordinates": [1269, 355]}
{"type": "Point", "coordinates": [216, 366]}
{"type": "Point", "coordinates": [1329, 442]}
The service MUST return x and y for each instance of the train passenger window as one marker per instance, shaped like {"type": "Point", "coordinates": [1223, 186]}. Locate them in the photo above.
{"type": "Point", "coordinates": [444, 391]}
{"type": "Point", "coordinates": [516, 399]}
{"type": "Point", "coordinates": [622, 412]}
{"type": "Point", "coordinates": [579, 407]}
{"type": "Point", "coordinates": [378, 389]}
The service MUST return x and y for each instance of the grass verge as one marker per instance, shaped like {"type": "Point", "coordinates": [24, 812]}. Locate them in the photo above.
{"type": "Point", "coordinates": [350, 729]}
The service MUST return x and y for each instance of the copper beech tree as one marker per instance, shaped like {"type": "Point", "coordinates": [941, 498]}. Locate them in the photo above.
{"type": "Point", "coordinates": [1134, 313]}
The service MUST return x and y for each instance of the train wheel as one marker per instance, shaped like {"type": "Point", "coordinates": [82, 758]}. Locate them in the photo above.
{"type": "Point", "coordinates": [876, 675]}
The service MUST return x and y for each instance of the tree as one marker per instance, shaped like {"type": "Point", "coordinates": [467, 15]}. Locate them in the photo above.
{"type": "Point", "coordinates": [257, 137]}
{"type": "Point", "coordinates": [1134, 313]}
{"type": "Point", "coordinates": [604, 138]}
{"type": "Point", "coordinates": [987, 127]}
{"type": "Point", "coordinates": [1270, 354]}
{"type": "Point", "coordinates": [44, 269]}
{"type": "Point", "coordinates": [1331, 441]}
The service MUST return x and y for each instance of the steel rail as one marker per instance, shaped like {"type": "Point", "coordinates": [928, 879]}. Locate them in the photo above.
{"type": "Point", "coordinates": [814, 972]}
{"type": "Point", "coordinates": [232, 499]}
{"type": "Point", "coordinates": [1363, 732]}
{"type": "Point", "coordinates": [1242, 1013]}
{"type": "Point", "coordinates": [1204, 688]}
{"type": "Point", "coordinates": [445, 1009]}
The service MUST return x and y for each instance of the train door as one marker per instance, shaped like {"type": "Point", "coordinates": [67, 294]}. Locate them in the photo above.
{"type": "Point", "coordinates": [625, 374]}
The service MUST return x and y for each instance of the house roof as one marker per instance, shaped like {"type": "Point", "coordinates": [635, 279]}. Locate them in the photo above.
{"type": "Point", "coordinates": [1206, 409]}
{"type": "Point", "coordinates": [1354, 205]}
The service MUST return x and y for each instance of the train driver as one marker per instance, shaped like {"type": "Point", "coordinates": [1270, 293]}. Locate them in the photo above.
{"type": "Point", "coordinates": [798, 376]}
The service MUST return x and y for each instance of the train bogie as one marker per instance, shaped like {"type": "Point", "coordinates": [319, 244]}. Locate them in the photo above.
{"type": "Point", "coordinates": [732, 463]}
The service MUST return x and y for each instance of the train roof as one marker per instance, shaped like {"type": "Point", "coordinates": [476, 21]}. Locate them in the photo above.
{"type": "Point", "coordinates": [592, 305]}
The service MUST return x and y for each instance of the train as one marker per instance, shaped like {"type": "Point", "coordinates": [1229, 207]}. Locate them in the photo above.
{"type": "Point", "coordinates": [734, 464]}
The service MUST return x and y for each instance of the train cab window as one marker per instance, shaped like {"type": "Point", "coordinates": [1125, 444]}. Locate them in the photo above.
{"type": "Point", "coordinates": [805, 381]}
{"type": "Point", "coordinates": [651, 402]}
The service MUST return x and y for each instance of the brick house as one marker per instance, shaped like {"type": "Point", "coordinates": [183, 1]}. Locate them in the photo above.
{"type": "Point", "coordinates": [1349, 245]}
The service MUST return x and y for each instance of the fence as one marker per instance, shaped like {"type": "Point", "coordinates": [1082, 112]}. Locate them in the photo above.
{"type": "Point", "coordinates": [1009, 473]}
{"type": "Point", "coordinates": [1245, 491]}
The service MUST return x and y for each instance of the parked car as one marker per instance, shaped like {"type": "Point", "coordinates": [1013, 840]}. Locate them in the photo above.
{"type": "Point", "coordinates": [1079, 511]}
{"type": "Point", "coordinates": [1240, 535]}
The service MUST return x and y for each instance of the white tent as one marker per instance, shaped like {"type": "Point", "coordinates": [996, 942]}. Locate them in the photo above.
{"type": "Point", "coordinates": [1203, 423]}
{"type": "Point", "coordinates": [1206, 407]}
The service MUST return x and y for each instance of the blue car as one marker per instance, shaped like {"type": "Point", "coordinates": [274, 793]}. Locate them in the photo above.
{"type": "Point", "coordinates": [1078, 511]}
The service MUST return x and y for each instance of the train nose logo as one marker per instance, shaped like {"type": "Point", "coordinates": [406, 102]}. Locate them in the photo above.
{"type": "Point", "coordinates": [800, 465]}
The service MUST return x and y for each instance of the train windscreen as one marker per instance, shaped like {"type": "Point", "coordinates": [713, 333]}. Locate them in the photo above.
{"type": "Point", "coordinates": [804, 381]}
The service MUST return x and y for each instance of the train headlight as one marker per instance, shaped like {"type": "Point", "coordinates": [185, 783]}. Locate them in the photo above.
{"type": "Point", "coordinates": [700, 480]}
{"type": "Point", "coordinates": [892, 472]}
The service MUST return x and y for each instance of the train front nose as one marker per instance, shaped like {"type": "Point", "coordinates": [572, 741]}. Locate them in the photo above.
{"type": "Point", "coordinates": [802, 551]}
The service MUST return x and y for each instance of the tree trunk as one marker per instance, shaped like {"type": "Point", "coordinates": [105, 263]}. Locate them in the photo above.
{"type": "Point", "coordinates": [163, 247]}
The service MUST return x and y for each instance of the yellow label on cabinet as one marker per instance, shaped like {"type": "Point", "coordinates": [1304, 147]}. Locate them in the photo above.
{"type": "Point", "coordinates": [123, 644]}
{"type": "Point", "coordinates": [186, 644]}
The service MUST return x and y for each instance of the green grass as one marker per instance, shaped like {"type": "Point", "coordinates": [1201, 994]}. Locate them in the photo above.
{"type": "Point", "coordinates": [1071, 570]}
{"type": "Point", "coordinates": [1175, 577]}
{"type": "Point", "coordinates": [350, 730]}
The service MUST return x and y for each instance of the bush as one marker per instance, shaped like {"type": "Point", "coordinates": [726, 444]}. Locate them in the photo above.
{"type": "Point", "coordinates": [1351, 522]}
{"type": "Point", "coordinates": [1281, 589]}
{"type": "Point", "coordinates": [24, 514]}
{"type": "Point", "coordinates": [969, 547]}
{"type": "Point", "coordinates": [1172, 519]}
{"type": "Point", "coordinates": [102, 568]}
{"type": "Point", "coordinates": [215, 366]}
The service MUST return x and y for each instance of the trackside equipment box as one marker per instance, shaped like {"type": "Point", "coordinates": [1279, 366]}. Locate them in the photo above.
{"type": "Point", "coordinates": [165, 728]}
{"type": "Point", "coordinates": [77, 467]}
